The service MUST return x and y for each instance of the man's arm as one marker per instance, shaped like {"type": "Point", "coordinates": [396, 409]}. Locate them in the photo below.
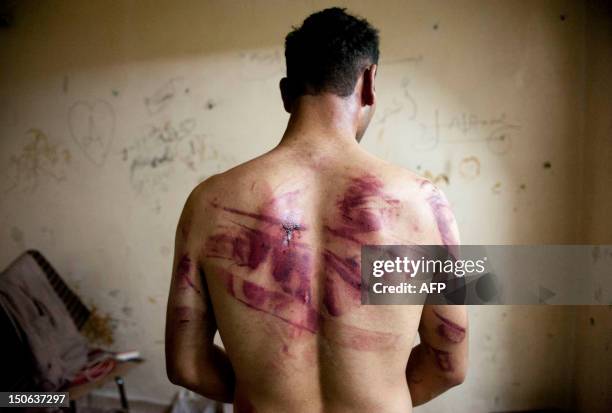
{"type": "Point", "coordinates": [440, 361]}
{"type": "Point", "coordinates": [192, 359]}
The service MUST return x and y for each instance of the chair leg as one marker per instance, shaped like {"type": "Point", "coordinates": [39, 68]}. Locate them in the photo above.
{"type": "Point", "coordinates": [121, 387]}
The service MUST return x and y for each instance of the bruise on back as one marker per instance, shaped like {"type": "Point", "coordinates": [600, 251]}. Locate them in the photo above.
{"type": "Point", "coordinates": [443, 215]}
{"type": "Point", "coordinates": [362, 209]}
{"type": "Point", "coordinates": [448, 330]}
{"type": "Point", "coordinates": [271, 237]}
{"type": "Point", "coordinates": [272, 242]}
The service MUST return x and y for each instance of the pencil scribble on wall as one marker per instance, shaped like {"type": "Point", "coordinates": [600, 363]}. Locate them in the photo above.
{"type": "Point", "coordinates": [261, 65]}
{"type": "Point", "coordinates": [416, 59]}
{"type": "Point", "coordinates": [428, 139]}
{"type": "Point", "coordinates": [403, 103]}
{"type": "Point", "coordinates": [92, 126]}
{"type": "Point", "coordinates": [499, 141]}
{"type": "Point", "coordinates": [38, 159]}
{"type": "Point", "coordinates": [390, 110]}
{"type": "Point", "coordinates": [410, 101]}
{"type": "Point", "coordinates": [154, 156]}
{"type": "Point", "coordinates": [465, 128]}
{"type": "Point", "coordinates": [161, 98]}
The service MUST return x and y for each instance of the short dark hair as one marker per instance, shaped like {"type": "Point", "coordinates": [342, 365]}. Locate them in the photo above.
{"type": "Point", "coordinates": [328, 51]}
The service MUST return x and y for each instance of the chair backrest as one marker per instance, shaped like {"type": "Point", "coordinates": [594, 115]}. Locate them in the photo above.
{"type": "Point", "coordinates": [73, 303]}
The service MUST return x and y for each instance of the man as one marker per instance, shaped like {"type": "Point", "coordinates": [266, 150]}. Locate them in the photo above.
{"type": "Point", "coordinates": [268, 253]}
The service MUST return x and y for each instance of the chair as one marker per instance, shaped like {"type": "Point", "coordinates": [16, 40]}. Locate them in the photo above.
{"type": "Point", "coordinates": [19, 367]}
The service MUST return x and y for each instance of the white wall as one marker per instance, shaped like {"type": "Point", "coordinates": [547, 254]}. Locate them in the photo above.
{"type": "Point", "coordinates": [111, 112]}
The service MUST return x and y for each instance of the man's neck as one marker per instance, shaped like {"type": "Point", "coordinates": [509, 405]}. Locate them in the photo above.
{"type": "Point", "coordinates": [323, 121]}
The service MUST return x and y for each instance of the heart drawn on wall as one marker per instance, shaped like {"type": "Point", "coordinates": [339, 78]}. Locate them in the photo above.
{"type": "Point", "coordinates": [92, 126]}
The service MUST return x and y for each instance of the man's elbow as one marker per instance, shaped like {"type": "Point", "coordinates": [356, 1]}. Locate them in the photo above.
{"type": "Point", "coordinates": [179, 375]}
{"type": "Point", "coordinates": [174, 374]}
{"type": "Point", "coordinates": [184, 379]}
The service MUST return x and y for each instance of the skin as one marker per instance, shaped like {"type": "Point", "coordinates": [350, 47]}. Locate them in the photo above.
{"type": "Point", "coordinates": [268, 254]}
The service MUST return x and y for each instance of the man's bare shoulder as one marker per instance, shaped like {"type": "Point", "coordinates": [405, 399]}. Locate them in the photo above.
{"type": "Point", "coordinates": [426, 202]}
{"type": "Point", "coordinates": [404, 181]}
{"type": "Point", "coordinates": [224, 182]}
{"type": "Point", "coordinates": [242, 184]}
{"type": "Point", "coordinates": [236, 185]}
{"type": "Point", "coordinates": [238, 176]}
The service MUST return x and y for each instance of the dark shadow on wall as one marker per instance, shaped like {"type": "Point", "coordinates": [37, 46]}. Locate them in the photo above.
{"type": "Point", "coordinates": [593, 354]}
{"type": "Point", "coordinates": [74, 35]}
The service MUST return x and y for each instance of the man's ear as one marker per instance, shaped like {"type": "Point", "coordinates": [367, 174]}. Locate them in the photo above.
{"type": "Point", "coordinates": [286, 94]}
{"type": "Point", "coordinates": [368, 95]}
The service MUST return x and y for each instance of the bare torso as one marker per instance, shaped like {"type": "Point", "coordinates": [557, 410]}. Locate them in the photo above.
{"type": "Point", "coordinates": [278, 242]}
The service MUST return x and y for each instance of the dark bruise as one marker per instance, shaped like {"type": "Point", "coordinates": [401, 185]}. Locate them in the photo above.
{"type": "Point", "coordinates": [291, 269]}
{"type": "Point", "coordinates": [275, 303]}
{"type": "Point", "coordinates": [270, 238]}
{"type": "Point", "coordinates": [304, 316]}
{"type": "Point", "coordinates": [249, 247]}
{"type": "Point", "coordinates": [359, 208]}
{"type": "Point", "coordinates": [259, 217]}
{"type": "Point", "coordinates": [267, 239]}
{"type": "Point", "coordinates": [330, 298]}
{"type": "Point", "coordinates": [255, 294]}
{"type": "Point", "coordinates": [183, 270]}
{"type": "Point", "coordinates": [185, 314]}
{"type": "Point", "coordinates": [444, 220]}
{"type": "Point", "coordinates": [449, 330]}
{"type": "Point", "coordinates": [348, 269]}
{"type": "Point", "coordinates": [443, 216]}
{"type": "Point", "coordinates": [359, 338]}
{"type": "Point", "coordinates": [184, 266]}
{"type": "Point", "coordinates": [443, 359]}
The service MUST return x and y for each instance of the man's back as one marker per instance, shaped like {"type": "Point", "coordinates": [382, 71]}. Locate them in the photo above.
{"type": "Point", "coordinates": [268, 254]}
{"type": "Point", "coordinates": [280, 240]}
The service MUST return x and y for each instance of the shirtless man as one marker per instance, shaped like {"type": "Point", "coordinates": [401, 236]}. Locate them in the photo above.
{"type": "Point", "coordinates": [268, 254]}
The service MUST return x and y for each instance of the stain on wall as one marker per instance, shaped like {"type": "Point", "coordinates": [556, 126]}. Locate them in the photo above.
{"type": "Point", "coordinates": [99, 329]}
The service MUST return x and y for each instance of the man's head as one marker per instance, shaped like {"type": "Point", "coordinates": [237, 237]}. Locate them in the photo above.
{"type": "Point", "coordinates": [332, 53]}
